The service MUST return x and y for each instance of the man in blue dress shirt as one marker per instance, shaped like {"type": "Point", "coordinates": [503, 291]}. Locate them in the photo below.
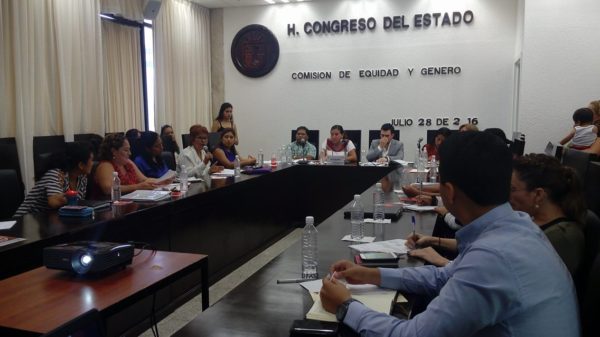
{"type": "Point", "coordinates": [507, 279]}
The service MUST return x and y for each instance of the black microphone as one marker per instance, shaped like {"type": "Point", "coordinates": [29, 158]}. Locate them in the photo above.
{"type": "Point", "coordinates": [303, 142]}
{"type": "Point", "coordinates": [419, 143]}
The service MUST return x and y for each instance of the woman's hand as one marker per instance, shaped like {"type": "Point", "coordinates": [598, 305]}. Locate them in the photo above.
{"type": "Point", "coordinates": [424, 200]}
{"type": "Point", "coordinates": [215, 169]}
{"type": "Point", "coordinates": [430, 255]}
{"type": "Point", "coordinates": [57, 200]}
{"type": "Point", "coordinates": [146, 185]}
{"type": "Point", "coordinates": [207, 158]}
{"type": "Point", "coordinates": [441, 210]}
{"type": "Point", "coordinates": [333, 293]}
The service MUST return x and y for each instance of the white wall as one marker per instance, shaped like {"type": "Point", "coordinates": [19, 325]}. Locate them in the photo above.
{"type": "Point", "coordinates": [266, 109]}
{"type": "Point", "coordinates": [560, 67]}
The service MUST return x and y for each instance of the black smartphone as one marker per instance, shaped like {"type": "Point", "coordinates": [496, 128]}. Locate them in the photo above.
{"type": "Point", "coordinates": [310, 327]}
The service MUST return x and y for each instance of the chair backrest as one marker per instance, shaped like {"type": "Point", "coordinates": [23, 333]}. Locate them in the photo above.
{"type": "Point", "coordinates": [88, 324]}
{"type": "Point", "coordinates": [517, 147]}
{"type": "Point", "coordinates": [590, 301]}
{"type": "Point", "coordinates": [354, 136]}
{"type": "Point", "coordinates": [591, 233]}
{"type": "Point", "coordinates": [9, 158]}
{"type": "Point", "coordinates": [12, 193]}
{"type": "Point", "coordinates": [44, 147]}
{"type": "Point", "coordinates": [592, 187]}
{"type": "Point", "coordinates": [313, 138]}
{"type": "Point", "coordinates": [94, 139]}
{"type": "Point", "coordinates": [578, 160]}
{"type": "Point", "coordinates": [185, 140]}
{"type": "Point", "coordinates": [376, 134]}
{"type": "Point", "coordinates": [169, 159]}
{"type": "Point", "coordinates": [213, 140]}
{"type": "Point", "coordinates": [90, 181]}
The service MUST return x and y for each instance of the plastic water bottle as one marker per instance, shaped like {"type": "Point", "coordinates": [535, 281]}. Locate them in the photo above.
{"type": "Point", "coordinates": [236, 166]}
{"type": "Point", "coordinates": [183, 179]}
{"type": "Point", "coordinates": [310, 256]}
{"type": "Point", "coordinates": [115, 191]}
{"type": "Point", "coordinates": [357, 218]}
{"type": "Point", "coordinates": [433, 171]}
{"type": "Point", "coordinates": [378, 204]}
{"type": "Point", "coordinates": [261, 158]}
{"type": "Point", "coordinates": [419, 161]}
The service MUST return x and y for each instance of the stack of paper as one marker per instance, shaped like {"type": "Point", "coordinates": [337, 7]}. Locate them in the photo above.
{"type": "Point", "coordinates": [144, 195]}
{"type": "Point", "coordinates": [390, 246]}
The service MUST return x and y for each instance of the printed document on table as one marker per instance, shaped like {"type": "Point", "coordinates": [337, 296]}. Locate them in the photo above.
{"type": "Point", "coordinates": [417, 208]}
{"type": "Point", "coordinates": [374, 297]}
{"type": "Point", "coordinates": [225, 173]}
{"type": "Point", "coordinates": [170, 175]}
{"type": "Point", "coordinates": [7, 224]}
{"type": "Point", "coordinates": [390, 246]}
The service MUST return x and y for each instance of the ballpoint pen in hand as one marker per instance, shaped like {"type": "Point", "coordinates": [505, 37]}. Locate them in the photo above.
{"type": "Point", "coordinates": [413, 226]}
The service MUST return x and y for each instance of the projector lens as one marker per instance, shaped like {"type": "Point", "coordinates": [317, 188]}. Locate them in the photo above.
{"type": "Point", "coordinates": [85, 260]}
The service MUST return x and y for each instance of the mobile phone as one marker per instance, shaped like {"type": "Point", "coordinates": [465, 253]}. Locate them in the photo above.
{"type": "Point", "coordinates": [378, 257]}
{"type": "Point", "coordinates": [310, 327]}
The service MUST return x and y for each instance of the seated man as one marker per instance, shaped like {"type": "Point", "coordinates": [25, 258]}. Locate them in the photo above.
{"type": "Point", "coordinates": [506, 280]}
{"type": "Point", "coordinates": [386, 148]}
{"type": "Point", "coordinates": [301, 148]}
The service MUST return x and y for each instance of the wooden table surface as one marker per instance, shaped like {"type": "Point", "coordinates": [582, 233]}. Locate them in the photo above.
{"type": "Point", "coordinates": [42, 299]}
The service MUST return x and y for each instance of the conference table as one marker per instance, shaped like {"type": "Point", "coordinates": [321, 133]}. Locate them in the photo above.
{"type": "Point", "coordinates": [261, 307]}
{"type": "Point", "coordinates": [231, 220]}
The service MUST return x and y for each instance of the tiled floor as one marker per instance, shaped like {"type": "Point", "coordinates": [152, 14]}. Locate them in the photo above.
{"type": "Point", "coordinates": [189, 311]}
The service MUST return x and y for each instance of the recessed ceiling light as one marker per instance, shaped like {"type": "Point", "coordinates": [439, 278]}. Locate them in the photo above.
{"type": "Point", "coordinates": [270, 1]}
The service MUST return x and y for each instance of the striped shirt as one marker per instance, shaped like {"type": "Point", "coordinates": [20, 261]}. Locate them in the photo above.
{"type": "Point", "coordinates": [53, 182]}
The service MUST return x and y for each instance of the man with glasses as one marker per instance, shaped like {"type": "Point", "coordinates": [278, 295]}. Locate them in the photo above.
{"type": "Point", "coordinates": [386, 148]}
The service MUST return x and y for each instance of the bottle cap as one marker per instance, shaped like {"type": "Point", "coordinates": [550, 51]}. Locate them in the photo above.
{"type": "Point", "coordinates": [310, 220]}
{"type": "Point", "coordinates": [378, 185]}
{"type": "Point", "coordinates": [115, 173]}
{"type": "Point", "coordinates": [357, 197]}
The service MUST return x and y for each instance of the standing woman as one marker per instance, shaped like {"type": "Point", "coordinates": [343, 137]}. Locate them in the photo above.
{"type": "Point", "coordinates": [150, 161]}
{"type": "Point", "coordinates": [196, 157]}
{"type": "Point", "coordinates": [70, 173]}
{"type": "Point", "coordinates": [114, 157]}
{"type": "Point", "coordinates": [225, 152]}
{"type": "Point", "coordinates": [595, 107]}
{"type": "Point", "coordinates": [337, 145]}
{"type": "Point", "coordinates": [225, 120]}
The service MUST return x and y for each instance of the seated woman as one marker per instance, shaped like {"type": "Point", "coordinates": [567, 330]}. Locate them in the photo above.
{"type": "Point", "coordinates": [225, 152]}
{"type": "Point", "coordinates": [196, 157]}
{"type": "Point", "coordinates": [150, 161]}
{"type": "Point", "coordinates": [441, 135]}
{"type": "Point", "coordinates": [168, 138]}
{"type": "Point", "coordinates": [336, 145]}
{"type": "Point", "coordinates": [114, 157]}
{"type": "Point", "coordinates": [551, 194]}
{"type": "Point", "coordinates": [224, 120]}
{"type": "Point", "coordinates": [70, 172]}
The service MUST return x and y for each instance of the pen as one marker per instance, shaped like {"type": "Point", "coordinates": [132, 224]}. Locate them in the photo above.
{"type": "Point", "coordinates": [294, 280]}
{"type": "Point", "coordinates": [332, 276]}
{"type": "Point", "coordinates": [413, 225]}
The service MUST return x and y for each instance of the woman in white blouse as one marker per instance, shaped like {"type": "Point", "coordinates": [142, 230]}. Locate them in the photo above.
{"type": "Point", "coordinates": [196, 157]}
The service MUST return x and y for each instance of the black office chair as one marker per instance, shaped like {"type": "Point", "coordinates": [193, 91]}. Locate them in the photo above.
{"type": "Point", "coordinates": [578, 160]}
{"type": "Point", "coordinates": [94, 139]}
{"type": "Point", "coordinates": [376, 134]}
{"type": "Point", "coordinates": [12, 193]}
{"type": "Point", "coordinates": [590, 302]}
{"type": "Point", "coordinates": [517, 147]}
{"type": "Point", "coordinates": [44, 150]}
{"type": "Point", "coordinates": [213, 140]}
{"type": "Point", "coordinates": [9, 158]}
{"type": "Point", "coordinates": [355, 137]}
{"type": "Point", "coordinates": [185, 140]}
{"type": "Point", "coordinates": [313, 138]}
{"type": "Point", "coordinates": [169, 159]}
{"type": "Point", "coordinates": [592, 187]}
{"type": "Point", "coordinates": [88, 324]}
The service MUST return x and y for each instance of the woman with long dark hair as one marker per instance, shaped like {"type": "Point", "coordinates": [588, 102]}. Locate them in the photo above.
{"type": "Point", "coordinates": [224, 120]}
{"type": "Point", "coordinates": [337, 145]}
{"type": "Point", "coordinates": [150, 161]}
{"type": "Point", "coordinates": [225, 152]}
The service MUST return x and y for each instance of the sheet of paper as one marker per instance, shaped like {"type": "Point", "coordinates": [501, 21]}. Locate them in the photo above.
{"type": "Point", "coordinates": [225, 173]}
{"type": "Point", "coordinates": [418, 171]}
{"type": "Point", "coordinates": [390, 246]}
{"type": "Point", "coordinates": [417, 208]}
{"type": "Point", "coordinates": [312, 286]}
{"type": "Point", "coordinates": [170, 175]}
{"type": "Point", "coordinates": [363, 239]}
{"type": "Point", "coordinates": [7, 224]}
{"type": "Point", "coordinates": [369, 220]}
{"type": "Point", "coordinates": [403, 162]}
{"type": "Point", "coordinates": [375, 298]}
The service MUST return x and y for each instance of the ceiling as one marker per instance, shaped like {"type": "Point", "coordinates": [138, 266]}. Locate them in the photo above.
{"type": "Point", "coordinates": [238, 3]}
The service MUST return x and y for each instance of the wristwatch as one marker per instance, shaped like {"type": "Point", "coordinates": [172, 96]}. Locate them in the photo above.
{"type": "Point", "coordinates": [342, 309]}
